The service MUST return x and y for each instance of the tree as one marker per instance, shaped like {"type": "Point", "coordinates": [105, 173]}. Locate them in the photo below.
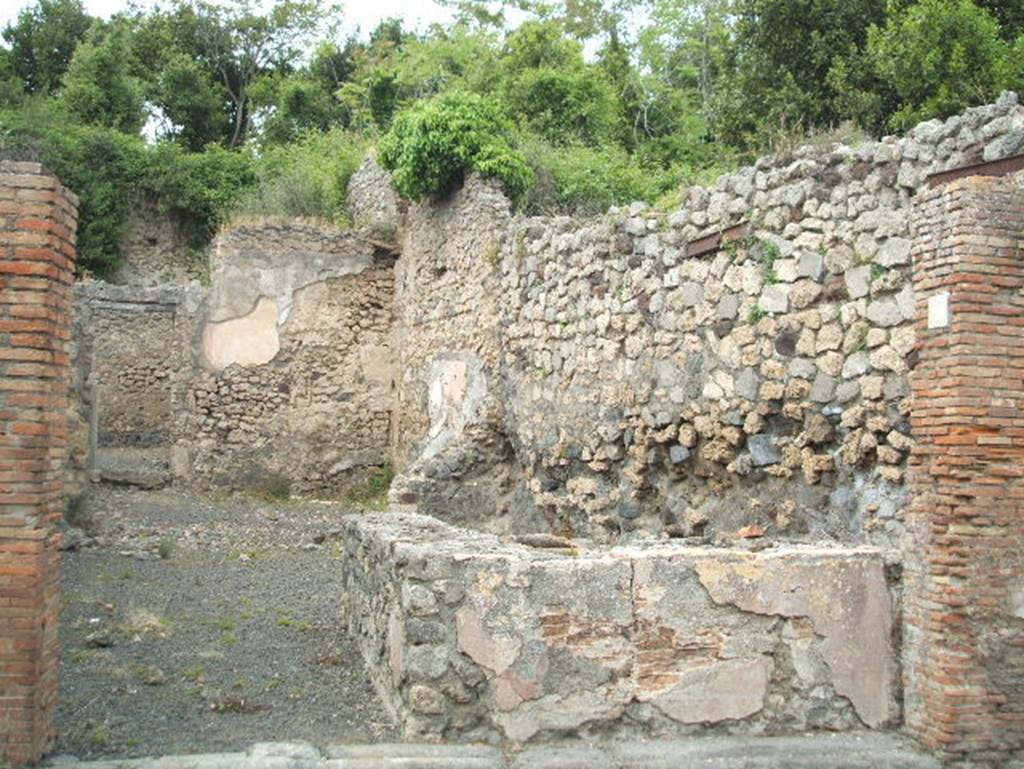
{"type": "Point", "coordinates": [12, 91]}
{"type": "Point", "coordinates": [99, 88]}
{"type": "Point", "coordinates": [295, 104]}
{"type": "Point", "coordinates": [236, 45]}
{"type": "Point", "coordinates": [42, 41]}
{"type": "Point", "coordinates": [688, 42]}
{"type": "Point", "coordinates": [1009, 14]}
{"type": "Point", "coordinates": [551, 90]}
{"type": "Point", "coordinates": [191, 101]}
{"type": "Point", "coordinates": [778, 68]}
{"type": "Point", "coordinates": [938, 56]}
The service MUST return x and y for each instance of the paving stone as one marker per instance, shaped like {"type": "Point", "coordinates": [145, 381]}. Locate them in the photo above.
{"type": "Point", "coordinates": [826, 752]}
{"type": "Point", "coordinates": [414, 756]}
{"type": "Point", "coordinates": [869, 750]}
{"type": "Point", "coordinates": [284, 750]}
{"type": "Point", "coordinates": [563, 758]}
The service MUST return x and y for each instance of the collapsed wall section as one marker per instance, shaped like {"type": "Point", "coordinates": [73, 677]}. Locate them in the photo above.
{"type": "Point", "coordinates": [158, 247]}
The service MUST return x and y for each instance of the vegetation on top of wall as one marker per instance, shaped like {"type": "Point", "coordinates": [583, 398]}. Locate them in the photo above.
{"type": "Point", "coordinates": [226, 110]}
{"type": "Point", "coordinates": [110, 169]}
{"type": "Point", "coordinates": [431, 144]}
{"type": "Point", "coordinates": [307, 177]}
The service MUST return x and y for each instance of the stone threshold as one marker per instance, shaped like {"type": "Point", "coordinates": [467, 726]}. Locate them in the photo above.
{"type": "Point", "coordinates": [812, 751]}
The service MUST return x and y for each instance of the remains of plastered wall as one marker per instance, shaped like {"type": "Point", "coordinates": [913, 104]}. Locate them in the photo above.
{"type": "Point", "coordinates": [293, 373]}
{"type": "Point", "coordinates": [278, 372]}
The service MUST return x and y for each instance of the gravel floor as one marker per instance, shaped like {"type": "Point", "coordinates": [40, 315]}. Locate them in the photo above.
{"type": "Point", "coordinates": [200, 624]}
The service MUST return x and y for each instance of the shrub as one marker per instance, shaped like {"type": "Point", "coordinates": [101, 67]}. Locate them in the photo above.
{"type": "Point", "coordinates": [434, 142]}
{"type": "Point", "coordinates": [200, 187]}
{"type": "Point", "coordinates": [587, 180]}
{"type": "Point", "coordinates": [564, 107]}
{"type": "Point", "coordinates": [99, 87]}
{"type": "Point", "coordinates": [95, 162]}
{"type": "Point", "coordinates": [308, 177]}
{"type": "Point", "coordinates": [108, 170]}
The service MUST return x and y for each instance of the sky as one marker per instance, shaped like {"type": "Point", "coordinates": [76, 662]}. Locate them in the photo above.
{"type": "Point", "coordinates": [357, 13]}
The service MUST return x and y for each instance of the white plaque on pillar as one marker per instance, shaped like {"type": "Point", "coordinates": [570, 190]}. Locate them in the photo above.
{"type": "Point", "coordinates": [938, 310]}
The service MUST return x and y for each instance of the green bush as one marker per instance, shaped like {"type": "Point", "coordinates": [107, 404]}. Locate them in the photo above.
{"type": "Point", "coordinates": [99, 164]}
{"type": "Point", "coordinates": [434, 142]}
{"type": "Point", "coordinates": [109, 169]}
{"type": "Point", "coordinates": [587, 180]}
{"type": "Point", "coordinates": [939, 56]}
{"type": "Point", "coordinates": [565, 106]}
{"type": "Point", "coordinates": [98, 87]}
{"type": "Point", "coordinates": [308, 177]}
{"type": "Point", "coordinates": [201, 187]}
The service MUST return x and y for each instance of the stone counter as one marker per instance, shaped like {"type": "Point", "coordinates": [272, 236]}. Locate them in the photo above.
{"type": "Point", "coordinates": [471, 637]}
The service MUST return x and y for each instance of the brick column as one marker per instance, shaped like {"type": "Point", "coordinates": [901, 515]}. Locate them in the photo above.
{"type": "Point", "coordinates": [37, 236]}
{"type": "Point", "coordinates": [964, 576]}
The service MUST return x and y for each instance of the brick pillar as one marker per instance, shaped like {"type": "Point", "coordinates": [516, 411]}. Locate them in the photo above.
{"type": "Point", "coordinates": [37, 237]}
{"type": "Point", "coordinates": [964, 576]}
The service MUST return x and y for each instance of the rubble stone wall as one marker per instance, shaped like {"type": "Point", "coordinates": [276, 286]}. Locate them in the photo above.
{"type": "Point", "coordinates": [132, 347]}
{"type": "Point", "coordinates": [293, 373]}
{"type": "Point", "coordinates": [156, 248]}
{"type": "Point", "coordinates": [644, 382]}
{"type": "Point", "coordinates": [38, 219]}
{"type": "Point", "coordinates": [447, 438]}
{"type": "Point", "coordinates": [469, 637]}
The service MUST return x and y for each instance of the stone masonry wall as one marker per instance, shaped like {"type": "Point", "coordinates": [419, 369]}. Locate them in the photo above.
{"type": "Point", "coordinates": [964, 637]}
{"type": "Point", "coordinates": [131, 351]}
{"type": "Point", "coordinates": [293, 370]}
{"type": "Point", "coordinates": [156, 248]}
{"type": "Point", "coordinates": [448, 405]}
{"type": "Point", "coordinates": [132, 348]}
{"type": "Point", "coordinates": [467, 637]}
{"type": "Point", "coordinates": [646, 382]}
{"type": "Point", "coordinates": [38, 218]}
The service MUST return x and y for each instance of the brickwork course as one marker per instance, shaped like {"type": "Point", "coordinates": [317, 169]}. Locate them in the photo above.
{"type": "Point", "coordinates": [964, 637]}
{"type": "Point", "coordinates": [37, 249]}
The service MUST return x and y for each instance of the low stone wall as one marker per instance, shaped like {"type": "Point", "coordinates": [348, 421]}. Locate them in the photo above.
{"type": "Point", "coordinates": [468, 637]}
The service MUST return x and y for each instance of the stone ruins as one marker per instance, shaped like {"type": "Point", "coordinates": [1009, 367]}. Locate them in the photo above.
{"type": "Point", "coordinates": [752, 465]}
